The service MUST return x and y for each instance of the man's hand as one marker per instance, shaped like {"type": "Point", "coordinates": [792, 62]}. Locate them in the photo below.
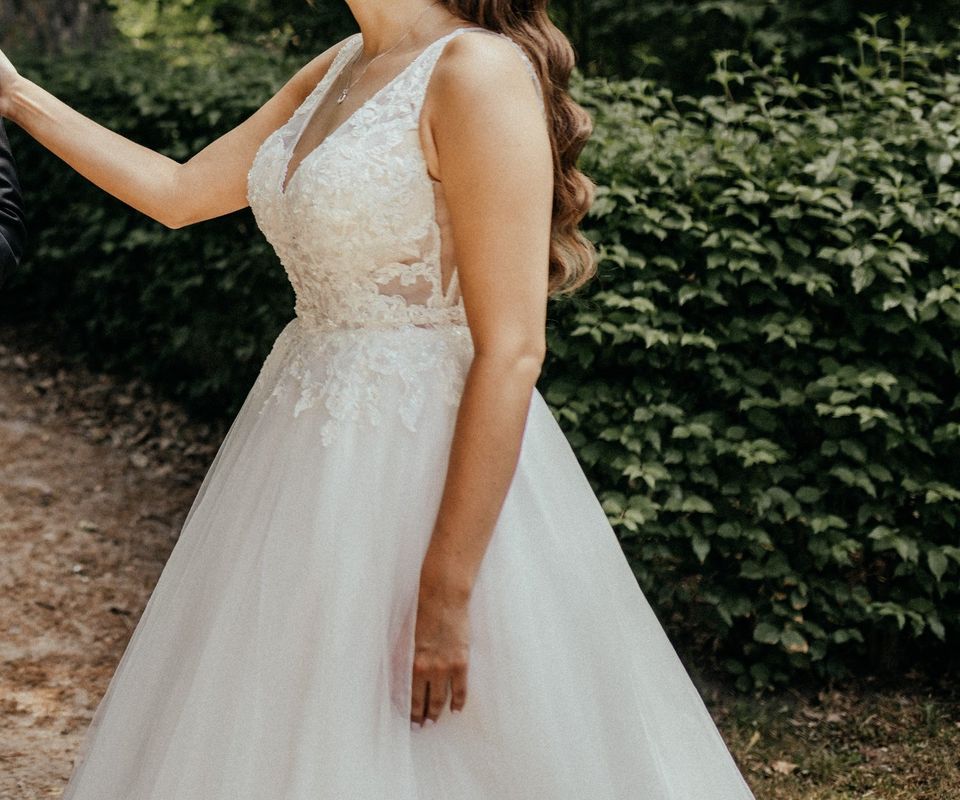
{"type": "Point", "coordinates": [12, 230]}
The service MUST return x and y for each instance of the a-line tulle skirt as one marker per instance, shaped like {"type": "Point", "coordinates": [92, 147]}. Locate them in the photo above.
{"type": "Point", "coordinates": [273, 659]}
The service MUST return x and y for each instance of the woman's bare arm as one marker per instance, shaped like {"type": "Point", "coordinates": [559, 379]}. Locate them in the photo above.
{"type": "Point", "coordinates": [496, 168]}
{"type": "Point", "coordinates": [212, 183]}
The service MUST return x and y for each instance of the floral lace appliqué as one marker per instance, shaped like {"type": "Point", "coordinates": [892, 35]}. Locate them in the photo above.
{"type": "Point", "coordinates": [356, 230]}
{"type": "Point", "coordinates": [365, 374]}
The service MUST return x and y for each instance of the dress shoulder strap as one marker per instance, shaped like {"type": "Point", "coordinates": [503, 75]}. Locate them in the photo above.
{"type": "Point", "coordinates": [299, 118]}
{"type": "Point", "coordinates": [436, 50]}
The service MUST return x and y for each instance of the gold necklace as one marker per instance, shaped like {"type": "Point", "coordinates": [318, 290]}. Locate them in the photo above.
{"type": "Point", "coordinates": [351, 83]}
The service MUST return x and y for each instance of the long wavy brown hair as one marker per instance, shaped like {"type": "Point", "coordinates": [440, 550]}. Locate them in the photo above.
{"type": "Point", "coordinates": [572, 255]}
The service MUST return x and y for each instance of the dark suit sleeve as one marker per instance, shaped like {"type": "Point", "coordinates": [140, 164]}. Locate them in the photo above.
{"type": "Point", "coordinates": [12, 230]}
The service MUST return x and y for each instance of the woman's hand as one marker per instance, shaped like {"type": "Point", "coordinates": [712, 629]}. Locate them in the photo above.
{"type": "Point", "coordinates": [441, 648]}
{"type": "Point", "coordinates": [8, 77]}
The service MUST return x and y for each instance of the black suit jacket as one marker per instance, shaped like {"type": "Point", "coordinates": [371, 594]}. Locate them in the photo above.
{"type": "Point", "coordinates": [12, 230]}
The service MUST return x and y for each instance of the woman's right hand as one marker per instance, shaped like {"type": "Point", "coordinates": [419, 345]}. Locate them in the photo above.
{"type": "Point", "coordinates": [8, 78]}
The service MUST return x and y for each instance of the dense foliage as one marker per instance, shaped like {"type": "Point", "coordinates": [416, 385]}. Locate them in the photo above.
{"type": "Point", "coordinates": [762, 383]}
{"type": "Point", "coordinates": [671, 40]}
{"type": "Point", "coordinates": [765, 380]}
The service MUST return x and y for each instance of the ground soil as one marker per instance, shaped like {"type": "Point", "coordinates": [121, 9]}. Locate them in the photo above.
{"type": "Point", "coordinates": [96, 476]}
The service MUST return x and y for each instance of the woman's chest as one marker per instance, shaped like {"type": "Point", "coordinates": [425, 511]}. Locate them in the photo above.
{"type": "Point", "coordinates": [364, 188]}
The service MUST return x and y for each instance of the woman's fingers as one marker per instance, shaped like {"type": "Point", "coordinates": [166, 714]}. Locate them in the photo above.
{"type": "Point", "coordinates": [437, 698]}
{"type": "Point", "coordinates": [458, 687]}
{"type": "Point", "coordinates": [431, 688]}
{"type": "Point", "coordinates": [418, 696]}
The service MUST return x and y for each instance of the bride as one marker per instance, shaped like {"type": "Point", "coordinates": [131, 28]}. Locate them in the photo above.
{"type": "Point", "coordinates": [394, 524]}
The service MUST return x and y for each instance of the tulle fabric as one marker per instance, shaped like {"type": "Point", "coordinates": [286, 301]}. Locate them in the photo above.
{"type": "Point", "coordinates": [273, 659]}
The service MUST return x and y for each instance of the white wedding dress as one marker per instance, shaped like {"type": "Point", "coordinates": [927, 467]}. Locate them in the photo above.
{"type": "Point", "coordinates": [273, 659]}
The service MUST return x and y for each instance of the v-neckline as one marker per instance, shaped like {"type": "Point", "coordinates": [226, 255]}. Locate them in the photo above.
{"type": "Point", "coordinates": [287, 179]}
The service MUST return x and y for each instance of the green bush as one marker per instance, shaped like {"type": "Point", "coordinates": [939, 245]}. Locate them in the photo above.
{"type": "Point", "coordinates": [762, 383]}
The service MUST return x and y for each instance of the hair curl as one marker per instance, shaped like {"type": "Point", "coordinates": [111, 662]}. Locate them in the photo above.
{"type": "Point", "coordinates": [572, 256]}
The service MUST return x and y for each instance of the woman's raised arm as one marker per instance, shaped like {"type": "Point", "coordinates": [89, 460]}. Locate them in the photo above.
{"type": "Point", "coordinates": [212, 183]}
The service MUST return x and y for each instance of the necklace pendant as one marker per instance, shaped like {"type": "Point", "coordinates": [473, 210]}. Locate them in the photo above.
{"type": "Point", "coordinates": [343, 95]}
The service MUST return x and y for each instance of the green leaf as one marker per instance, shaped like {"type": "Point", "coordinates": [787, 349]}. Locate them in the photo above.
{"type": "Point", "coordinates": [766, 633]}
{"type": "Point", "coordinates": [694, 504]}
{"type": "Point", "coordinates": [701, 547]}
{"type": "Point", "coordinates": [937, 562]}
{"type": "Point", "coordinates": [808, 494]}
{"type": "Point", "coordinates": [793, 641]}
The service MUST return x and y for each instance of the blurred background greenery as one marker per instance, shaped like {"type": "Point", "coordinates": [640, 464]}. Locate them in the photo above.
{"type": "Point", "coordinates": [670, 40]}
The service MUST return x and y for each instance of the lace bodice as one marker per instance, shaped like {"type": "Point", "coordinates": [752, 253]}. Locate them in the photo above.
{"type": "Point", "coordinates": [360, 228]}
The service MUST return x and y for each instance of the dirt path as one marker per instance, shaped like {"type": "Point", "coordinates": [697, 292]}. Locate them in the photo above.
{"type": "Point", "coordinates": [95, 479]}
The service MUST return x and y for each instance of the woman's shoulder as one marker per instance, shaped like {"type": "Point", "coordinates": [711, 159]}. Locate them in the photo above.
{"type": "Point", "coordinates": [484, 99]}
{"type": "Point", "coordinates": [480, 62]}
